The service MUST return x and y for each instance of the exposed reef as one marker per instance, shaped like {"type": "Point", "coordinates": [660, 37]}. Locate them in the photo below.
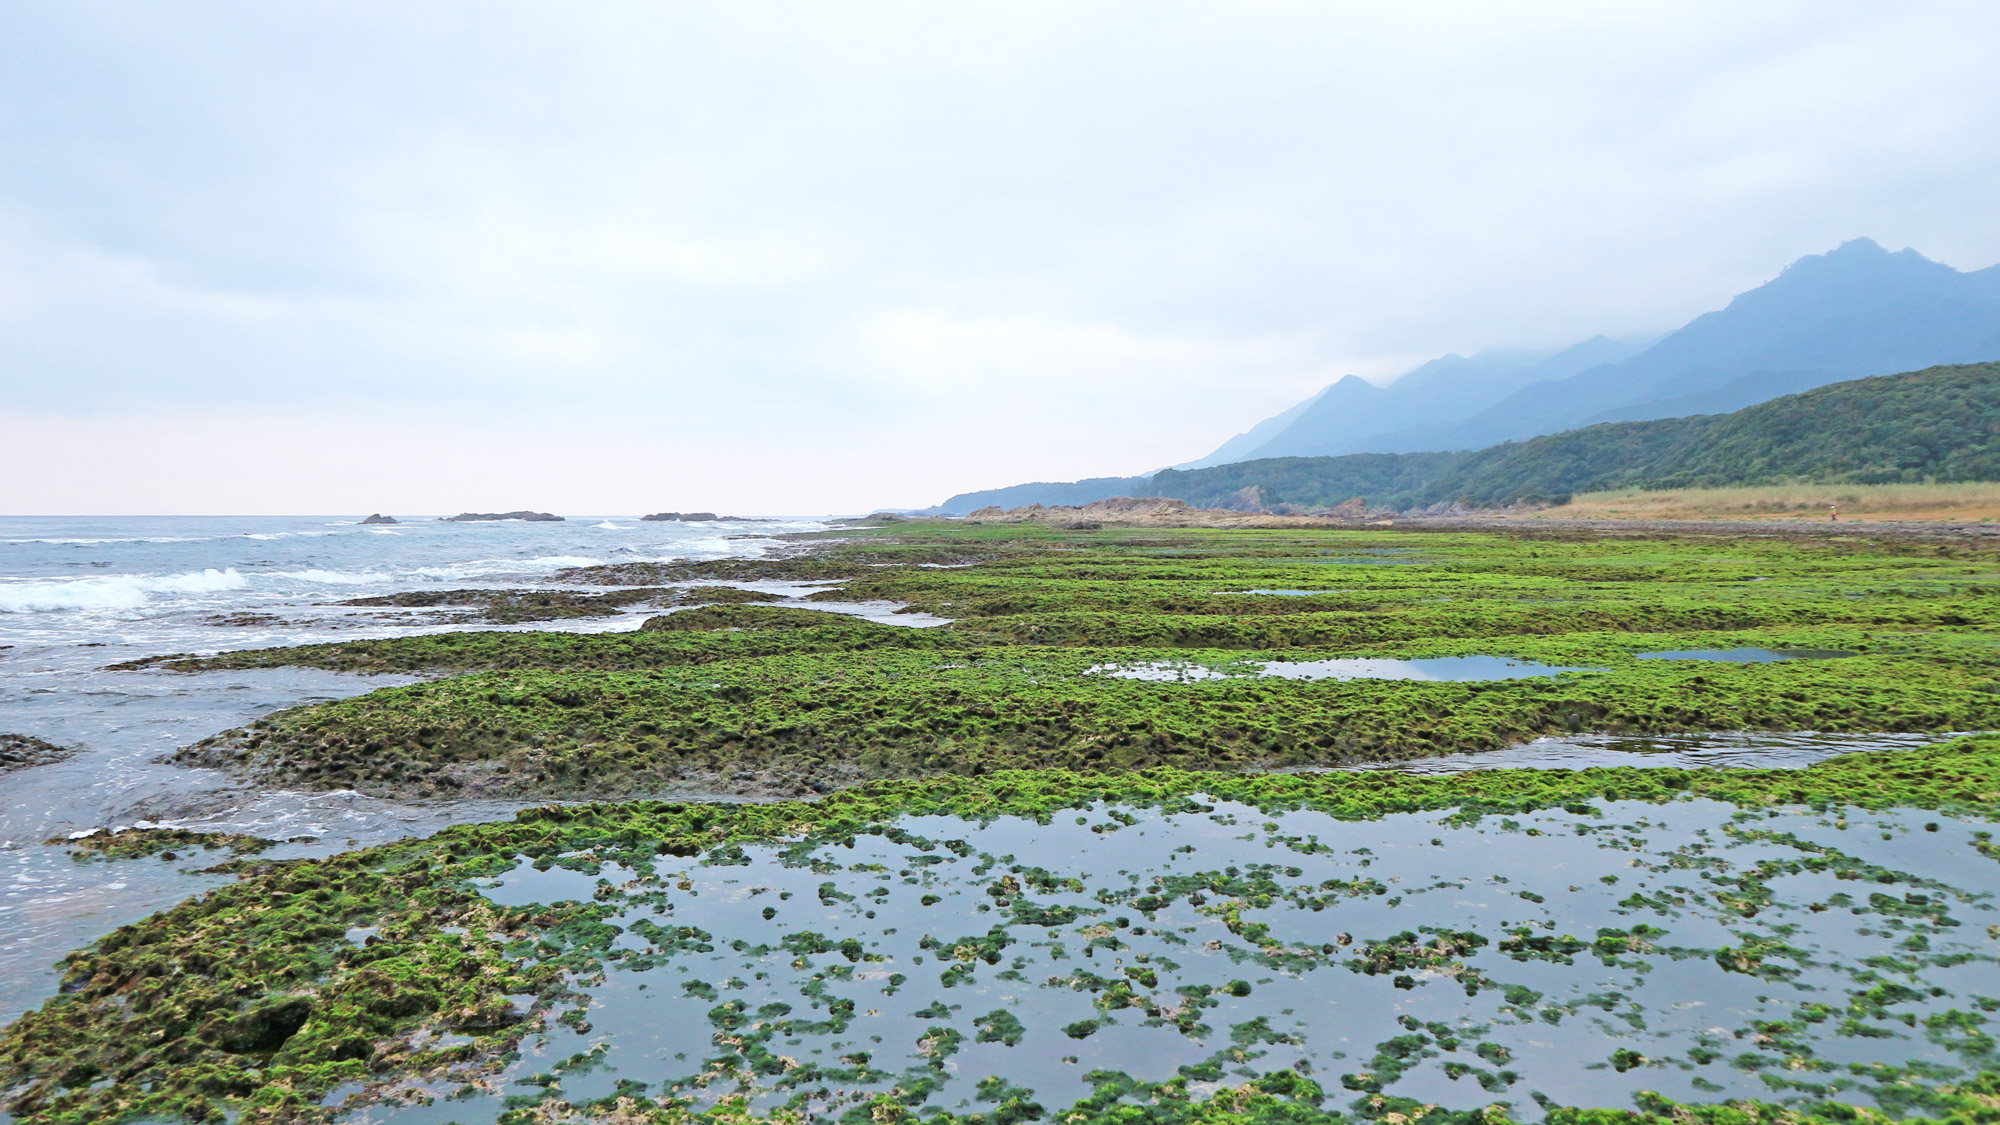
{"type": "Point", "coordinates": [20, 751]}
{"type": "Point", "coordinates": [507, 607]}
{"type": "Point", "coordinates": [166, 843]}
{"type": "Point", "coordinates": [379, 518]}
{"type": "Point", "coordinates": [435, 971]}
{"type": "Point", "coordinates": [390, 973]}
{"type": "Point", "coordinates": [1028, 672]}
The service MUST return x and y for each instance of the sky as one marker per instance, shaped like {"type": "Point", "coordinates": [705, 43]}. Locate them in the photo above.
{"type": "Point", "coordinates": [809, 258]}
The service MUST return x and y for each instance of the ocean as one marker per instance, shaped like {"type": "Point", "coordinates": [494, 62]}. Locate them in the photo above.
{"type": "Point", "coordinates": [78, 594]}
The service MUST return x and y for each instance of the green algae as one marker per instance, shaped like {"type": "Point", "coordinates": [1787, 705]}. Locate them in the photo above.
{"type": "Point", "coordinates": [509, 607]}
{"type": "Point", "coordinates": [167, 843]}
{"type": "Point", "coordinates": [254, 998]}
{"type": "Point", "coordinates": [740, 617]}
{"type": "Point", "coordinates": [723, 638]}
{"type": "Point", "coordinates": [838, 718]}
{"type": "Point", "coordinates": [257, 999]}
{"type": "Point", "coordinates": [804, 700]}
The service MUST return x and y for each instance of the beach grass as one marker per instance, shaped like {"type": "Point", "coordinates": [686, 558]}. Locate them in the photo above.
{"type": "Point", "coordinates": [1973, 501]}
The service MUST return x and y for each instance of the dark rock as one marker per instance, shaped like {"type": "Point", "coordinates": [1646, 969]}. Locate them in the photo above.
{"type": "Point", "coordinates": [243, 620]}
{"type": "Point", "coordinates": [19, 752]}
{"type": "Point", "coordinates": [684, 517]}
{"type": "Point", "coordinates": [380, 518]}
{"type": "Point", "coordinates": [495, 517]}
{"type": "Point", "coordinates": [263, 1029]}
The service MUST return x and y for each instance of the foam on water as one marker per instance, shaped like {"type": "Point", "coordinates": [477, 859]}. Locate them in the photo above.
{"type": "Point", "coordinates": [78, 594]}
{"type": "Point", "coordinates": [113, 591]}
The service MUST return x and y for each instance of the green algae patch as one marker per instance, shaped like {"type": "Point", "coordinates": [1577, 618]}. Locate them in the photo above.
{"type": "Point", "coordinates": [781, 700]}
{"type": "Point", "coordinates": [739, 617]}
{"type": "Point", "coordinates": [167, 843]}
{"type": "Point", "coordinates": [821, 719]}
{"type": "Point", "coordinates": [657, 648]}
{"type": "Point", "coordinates": [384, 966]}
{"type": "Point", "coordinates": [509, 607]}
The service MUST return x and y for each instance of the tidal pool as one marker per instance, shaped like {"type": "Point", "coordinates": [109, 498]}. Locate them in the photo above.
{"type": "Point", "coordinates": [1283, 593]}
{"type": "Point", "coordinates": [1747, 655]}
{"type": "Point", "coordinates": [1440, 669]}
{"type": "Point", "coordinates": [1573, 956]}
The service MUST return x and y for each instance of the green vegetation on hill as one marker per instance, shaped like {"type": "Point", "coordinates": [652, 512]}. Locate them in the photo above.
{"type": "Point", "coordinates": [1941, 424]}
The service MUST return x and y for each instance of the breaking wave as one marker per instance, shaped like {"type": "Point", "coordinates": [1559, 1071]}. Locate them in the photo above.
{"type": "Point", "coordinates": [112, 591]}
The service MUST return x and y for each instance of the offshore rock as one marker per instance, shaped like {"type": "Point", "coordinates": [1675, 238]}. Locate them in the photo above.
{"type": "Point", "coordinates": [19, 752]}
{"type": "Point", "coordinates": [683, 517]}
{"type": "Point", "coordinates": [380, 518]}
{"type": "Point", "coordinates": [495, 517]}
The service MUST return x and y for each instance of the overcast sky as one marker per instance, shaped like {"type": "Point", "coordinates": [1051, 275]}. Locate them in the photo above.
{"type": "Point", "coordinates": [812, 257]}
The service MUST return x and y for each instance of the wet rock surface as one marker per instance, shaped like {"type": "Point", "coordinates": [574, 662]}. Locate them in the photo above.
{"type": "Point", "coordinates": [20, 751]}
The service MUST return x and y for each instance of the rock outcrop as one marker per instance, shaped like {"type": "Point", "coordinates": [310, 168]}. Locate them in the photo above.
{"type": "Point", "coordinates": [380, 518]}
{"type": "Point", "coordinates": [495, 517]}
{"type": "Point", "coordinates": [19, 751]}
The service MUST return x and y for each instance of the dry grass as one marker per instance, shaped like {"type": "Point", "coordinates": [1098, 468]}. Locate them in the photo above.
{"type": "Point", "coordinates": [1973, 501]}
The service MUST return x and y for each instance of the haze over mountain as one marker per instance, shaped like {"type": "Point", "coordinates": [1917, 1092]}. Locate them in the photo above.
{"type": "Point", "coordinates": [1937, 424]}
{"type": "Point", "coordinates": [1346, 414]}
{"type": "Point", "coordinates": [1856, 311]}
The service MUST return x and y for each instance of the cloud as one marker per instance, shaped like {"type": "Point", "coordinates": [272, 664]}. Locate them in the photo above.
{"type": "Point", "coordinates": [939, 247]}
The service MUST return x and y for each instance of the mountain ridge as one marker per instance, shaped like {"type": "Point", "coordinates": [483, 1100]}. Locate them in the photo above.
{"type": "Point", "coordinates": [1941, 423]}
{"type": "Point", "coordinates": [1856, 311]}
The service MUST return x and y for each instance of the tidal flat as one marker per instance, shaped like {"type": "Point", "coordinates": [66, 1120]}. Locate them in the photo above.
{"type": "Point", "coordinates": [1004, 886]}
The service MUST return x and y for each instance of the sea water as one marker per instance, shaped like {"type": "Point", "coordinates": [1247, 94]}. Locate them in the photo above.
{"type": "Point", "coordinates": [79, 594]}
{"type": "Point", "coordinates": [1571, 956]}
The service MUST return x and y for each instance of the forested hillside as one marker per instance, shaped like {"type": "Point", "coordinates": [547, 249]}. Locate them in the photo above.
{"type": "Point", "coordinates": [1942, 423]}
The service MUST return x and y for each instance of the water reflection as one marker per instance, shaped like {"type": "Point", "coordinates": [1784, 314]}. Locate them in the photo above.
{"type": "Point", "coordinates": [1575, 955]}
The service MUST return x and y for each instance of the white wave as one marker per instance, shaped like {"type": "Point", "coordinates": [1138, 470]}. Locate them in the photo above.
{"type": "Point", "coordinates": [128, 539]}
{"type": "Point", "coordinates": [335, 577]}
{"type": "Point", "coordinates": [113, 591]}
{"type": "Point", "coordinates": [609, 526]}
{"type": "Point", "coordinates": [382, 531]}
{"type": "Point", "coordinates": [486, 568]}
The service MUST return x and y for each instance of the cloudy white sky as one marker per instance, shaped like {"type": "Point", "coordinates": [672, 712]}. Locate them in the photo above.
{"type": "Point", "coordinates": [808, 257]}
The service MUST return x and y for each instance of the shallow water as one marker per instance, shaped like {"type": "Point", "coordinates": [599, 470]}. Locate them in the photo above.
{"type": "Point", "coordinates": [125, 722]}
{"type": "Point", "coordinates": [1441, 669]}
{"type": "Point", "coordinates": [78, 594]}
{"type": "Point", "coordinates": [1747, 655]}
{"type": "Point", "coordinates": [1227, 942]}
{"type": "Point", "coordinates": [1714, 750]}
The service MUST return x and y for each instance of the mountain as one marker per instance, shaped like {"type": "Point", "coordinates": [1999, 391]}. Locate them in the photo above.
{"type": "Point", "coordinates": [1856, 311]}
{"type": "Point", "coordinates": [1942, 423]}
{"type": "Point", "coordinates": [1853, 312]}
{"type": "Point", "coordinates": [1075, 492]}
{"type": "Point", "coordinates": [1344, 417]}
{"type": "Point", "coordinates": [1244, 445]}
